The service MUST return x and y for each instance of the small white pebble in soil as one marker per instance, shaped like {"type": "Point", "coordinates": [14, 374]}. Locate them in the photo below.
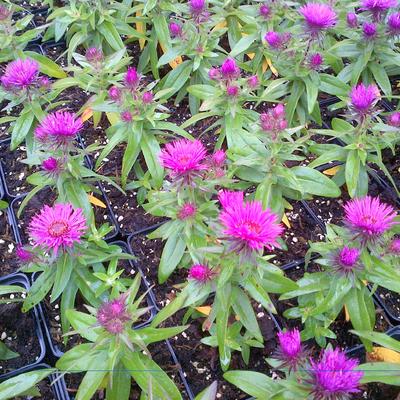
{"type": "Point", "coordinates": [295, 240]}
{"type": "Point", "coordinates": [3, 336]}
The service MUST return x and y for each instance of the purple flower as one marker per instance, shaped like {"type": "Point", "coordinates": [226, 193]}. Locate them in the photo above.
{"type": "Point", "coordinates": [232, 91]}
{"type": "Point", "coordinates": [318, 16]}
{"type": "Point", "coordinates": [175, 29]}
{"type": "Point", "coordinates": [214, 74]}
{"type": "Point", "coordinates": [229, 69]}
{"type": "Point", "coordinates": [274, 121]}
{"type": "Point", "coordinates": [50, 165]}
{"type": "Point", "coordinates": [24, 256]}
{"type": "Point", "coordinates": [184, 157]}
{"type": "Point", "coordinates": [369, 30]}
{"type": "Point", "coordinates": [273, 39]}
{"type": "Point", "coordinates": [351, 19]}
{"type": "Point", "coordinates": [265, 11]}
{"type": "Point", "coordinates": [316, 60]}
{"type": "Point", "coordinates": [368, 217]}
{"type": "Point", "coordinates": [394, 23]}
{"type": "Point", "coordinates": [94, 55]}
{"type": "Point", "coordinates": [290, 349]}
{"type": "Point", "coordinates": [57, 227]}
{"type": "Point", "coordinates": [334, 376]}
{"type": "Point", "coordinates": [20, 74]}
{"type": "Point", "coordinates": [346, 261]}
{"type": "Point", "coordinates": [114, 93]}
{"type": "Point", "coordinates": [132, 78]}
{"type": "Point", "coordinates": [394, 247]}
{"type": "Point", "coordinates": [218, 158]}
{"type": "Point", "coordinates": [394, 119]}
{"type": "Point", "coordinates": [200, 273]}
{"type": "Point", "coordinates": [43, 82]}
{"type": "Point", "coordinates": [197, 6]}
{"type": "Point", "coordinates": [58, 129]}
{"type": "Point", "coordinates": [279, 110]}
{"type": "Point", "coordinates": [348, 257]}
{"type": "Point", "coordinates": [113, 315]}
{"type": "Point", "coordinates": [363, 99]}
{"type": "Point", "coordinates": [147, 97]}
{"type": "Point", "coordinates": [188, 210]}
{"type": "Point", "coordinates": [5, 13]}
{"type": "Point", "coordinates": [126, 116]}
{"type": "Point", "coordinates": [377, 7]}
{"type": "Point", "coordinates": [253, 82]}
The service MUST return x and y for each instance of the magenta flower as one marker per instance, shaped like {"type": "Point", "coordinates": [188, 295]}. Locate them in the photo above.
{"type": "Point", "coordinates": [50, 165]}
{"type": "Point", "coordinates": [114, 93]}
{"type": "Point", "coordinates": [348, 256]}
{"type": "Point", "coordinates": [175, 29]}
{"type": "Point", "coordinates": [394, 23]}
{"type": "Point", "coordinates": [5, 13]}
{"type": "Point", "coordinates": [274, 39]}
{"type": "Point", "coordinates": [334, 376]}
{"type": "Point", "coordinates": [394, 246]}
{"type": "Point", "coordinates": [57, 227]}
{"type": "Point", "coordinates": [24, 256]}
{"type": "Point", "coordinates": [200, 273]}
{"type": "Point", "coordinates": [58, 129]}
{"type": "Point", "coordinates": [232, 91]}
{"type": "Point", "coordinates": [188, 210]}
{"type": "Point", "coordinates": [229, 69]}
{"type": "Point", "coordinates": [147, 97]}
{"type": "Point", "coordinates": [351, 19]}
{"type": "Point", "coordinates": [214, 74]}
{"type": "Point", "coordinates": [394, 119]}
{"type": "Point", "coordinates": [274, 121]}
{"type": "Point", "coordinates": [43, 82]}
{"type": "Point", "coordinates": [230, 200]}
{"type": "Point", "coordinates": [184, 157]}
{"type": "Point", "coordinates": [20, 74]}
{"type": "Point", "coordinates": [377, 7]}
{"type": "Point", "coordinates": [253, 82]}
{"type": "Point", "coordinates": [316, 60]}
{"type": "Point", "coordinates": [197, 6]}
{"type": "Point", "coordinates": [363, 99]}
{"type": "Point", "coordinates": [318, 16]}
{"type": "Point", "coordinates": [290, 349]}
{"type": "Point", "coordinates": [265, 11]}
{"type": "Point", "coordinates": [131, 78]}
{"type": "Point", "coordinates": [369, 30]}
{"type": "Point", "coordinates": [126, 116]}
{"type": "Point", "coordinates": [94, 55]}
{"type": "Point", "coordinates": [113, 315]}
{"type": "Point", "coordinates": [247, 225]}
{"type": "Point", "coordinates": [218, 158]}
{"type": "Point", "coordinates": [346, 261]}
{"type": "Point", "coordinates": [368, 217]}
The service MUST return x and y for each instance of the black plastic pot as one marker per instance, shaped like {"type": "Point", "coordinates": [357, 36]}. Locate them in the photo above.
{"type": "Point", "coordinates": [22, 280]}
{"type": "Point", "coordinates": [395, 320]}
{"type": "Point", "coordinates": [56, 352]}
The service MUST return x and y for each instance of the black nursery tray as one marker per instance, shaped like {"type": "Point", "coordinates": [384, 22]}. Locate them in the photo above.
{"type": "Point", "coordinates": [27, 333]}
{"type": "Point", "coordinates": [49, 316]}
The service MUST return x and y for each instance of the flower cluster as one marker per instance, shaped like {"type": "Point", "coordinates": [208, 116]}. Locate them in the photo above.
{"type": "Point", "coordinates": [273, 121]}
{"type": "Point", "coordinates": [246, 225]}
{"type": "Point", "coordinates": [276, 40]}
{"type": "Point", "coordinates": [57, 227]}
{"type": "Point", "coordinates": [113, 315]}
{"type": "Point", "coordinates": [363, 99]}
{"type": "Point", "coordinates": [318, 17]}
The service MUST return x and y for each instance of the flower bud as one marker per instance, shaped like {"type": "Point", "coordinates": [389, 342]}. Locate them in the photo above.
{"type": "Point", "coordinates": [229, 69]}
{"type": "Point", "coordinates": [394, 247]}
{"type": "Point", "coordinates": [113, 315]}
{"type": "Point", "coordinates": [273, 39]}
{"type": "Point", "coordinates": [147, 97]}
{"type": "Point", "coordinates": [265, 11]}
{"type": "Point", "coordinates": [394, 23]}
{"type": "Point", "coordinates": [232, 91]}
{"type": "Point", "coordinates": [126, 116]}
{"type": "Point", "coordinates": [188, 210]}
{"type": "Point", "coordinates": [351, 19]}
{"type": "Point", "coordinates": [44, 82]}
{"type": "Point", "coordinates": [50, 165]}
{"type": "Point", "coordinates": [219, 158]}
{"type": "Point", "coordinates": [214, 74]}
{"type": "Point", "coordinates": [279, 110]}
{"type": "Point", "coordinates": [132, 78]}
{"type": "Point", "coordinates": [253, 82]}
{"type": "Point", "coordinates": [175, 29]}
{"type": "Point", "coordinates": [5, 13]}
{"type": "Point", "coordinates": [394, 119]}
{"type": "Point", "coordinates": [94, 55]}
{"type": "Point", "coordinates": [348, 257]}
{"type": "Point", "coordinates": [369, 30]}
{"type": "Point", "coordinates": [24, 256]}
{"type": "Point", "coordinates": [316, 60]}
{"type": "Point", "coordinates": [200, 273]}
{"type": "Point", "coordinates": [197, 6]}
{"type": "Point", "coordinates": [114, 93]}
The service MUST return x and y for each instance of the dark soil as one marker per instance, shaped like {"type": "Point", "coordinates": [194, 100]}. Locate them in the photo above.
{"type": "Point", "coordinates": [8, 261]}
{"type": "Point", "coordinates": [19, 330]}
{"type": "Point", "coordinates": [392, 163]}
{"type": "Point", "coordinates": [15, 172]}
{"type": "Point", "coordinates": [47, 196]}
{"type": "Point", "coordinates": [391, 301]}
{"type": "Point", "coordinates": [46, 392]}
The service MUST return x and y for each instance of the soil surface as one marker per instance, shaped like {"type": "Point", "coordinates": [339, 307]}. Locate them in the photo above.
{"type": "Point", "coordinates": [8, 260]}
{"type": "Point", "coordinates": [17, 331]}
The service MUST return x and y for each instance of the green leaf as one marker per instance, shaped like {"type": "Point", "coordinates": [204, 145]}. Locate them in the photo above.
{"type": "Point", "coordinates": [222, 306]}
{"type": "Point", "coordinates": [90, 384]}
{"type": "Point", "coordinates": [253, 383]}
{"type": "Point", "coordinates": [13, 387]}
{"type": "Point", "coordinates": [381, 77]}
{"type": "Point", "coordinates": [296, 92]}
{"type": "Point", "coordinates": [380, 338]}
{"type": "Point", "coordinates": [352, 172]}
{"type": "Point", "coordinates": [47, 66]}
{"type": "Point", "coordinates": [84, 324]}
{"type": "Point", "coordinates": [39, 289]}
{"type": "Point", "coordinates": [21, 128]}
{"type": "Point", "coordinates": [119, 384]}
{"type": "Point", "coordinates": [380, 372]}
{"type": "Point", "coordinates": [315, 182]}
{"type": "Point", "coordinates": [208, 393]}
{"type": "Point", "coordinates": [151, 335]}
{"type": "Point", "coordinates": [151, 150]}
{"type": "Point", "coordinates": [6, 353]}
{"type": "Point", "coordinates": [64, 268]}
{"type": "Point", "coordinates": [110, 33]}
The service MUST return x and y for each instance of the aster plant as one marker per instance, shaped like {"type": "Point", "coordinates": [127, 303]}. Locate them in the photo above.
{"type": "Point", "coordinates": [92, 23]}
{"type": "Point", "coordinates": [353, 260]}
{"type": "Point", "coordinates": [68, 257]}
{"type": "Point", "coordinates": [331, 376]}
{"type": "Point", "coordinates": [267, 165]}
{"type": "Point", "coordinates": [94, 72]}
{"type": "Point", "coordinates": [363, 137]}
{"type": "Point", "coordinates": [63, 163]}
{"type": "Point", "coordinates": [112, 342]}
{"type": "Point", "coordinates": [22, 85]}
{"type": "Point", "coordinates": [233, 269]}
{"type": "Point", "coordinates": [140, 124]}
{"type": "Point", "coordinates": [15, 34]}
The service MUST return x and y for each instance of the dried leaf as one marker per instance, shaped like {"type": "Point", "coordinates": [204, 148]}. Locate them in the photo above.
{"type": "Point", "coordinates": [87, 114]}
{"type": "Point", "coordinates": [346, 314]}
{"type": "Point", "coordinates": [141, 28]}
{"type": "Point", "coordinates": [251, 55]}
{"type": "Point", "coordinates": [96, 201]}
{"type": "Point", "coordinates": [220, 25]}
{"type": "Point", "coordinates": [332, 171]}
{"type": "Point", "coordinates": [206, 310]}
{"type": "Point", "coordinates": [382, 354]}
{"type": "Point", "coordinates": [269, 64]}
{"type": "Point", "coordinates": [173, 63]}
{"type": "Point", "coordinates": [285, 220]}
